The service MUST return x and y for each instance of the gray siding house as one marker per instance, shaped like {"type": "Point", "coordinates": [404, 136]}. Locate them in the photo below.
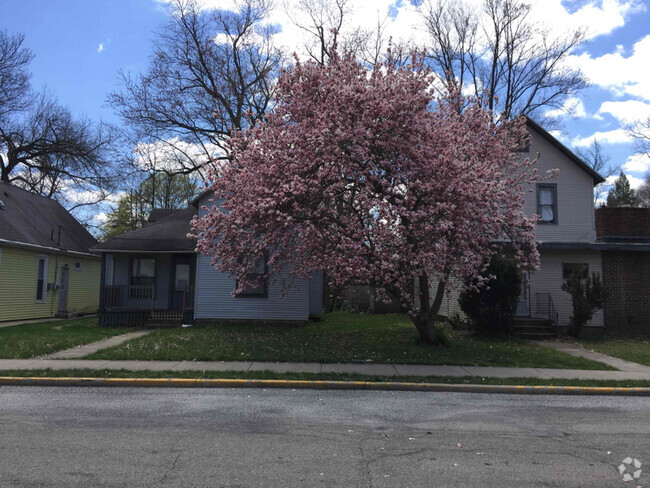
{"type": "Point", "coordinates": [154, 276]}
{"type": "Point", "coordinates": [566, 233]}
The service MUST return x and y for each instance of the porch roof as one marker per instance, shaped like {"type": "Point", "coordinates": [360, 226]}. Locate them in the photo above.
{"type": "Point", "coordinates": [168, 234]}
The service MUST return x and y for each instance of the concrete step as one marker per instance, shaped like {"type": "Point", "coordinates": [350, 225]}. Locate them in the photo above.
{"type": "Point", "coordinates": [536, 336]}
{"type": "Point", "coordinates": [534, 329]}
{"type": "Point", "coordinates": [155, 323]}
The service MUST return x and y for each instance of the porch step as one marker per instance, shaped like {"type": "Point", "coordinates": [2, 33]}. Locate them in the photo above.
{"type": "Point", "coordinates": [533, 329]}
{"type": "Point", "coordinates": [158, 323]}
{"type": "Point", "coordinates": [536, 336]}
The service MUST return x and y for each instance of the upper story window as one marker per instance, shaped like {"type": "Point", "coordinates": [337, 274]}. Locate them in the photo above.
{"type": "Point", "coordinates": [547, 203]}
{"type": "Point", "coordinates": [41, 279]}
{"type": "Point", "coordinates": [77, 265]}
{"type": "Point", "coordinates": [257, 274]}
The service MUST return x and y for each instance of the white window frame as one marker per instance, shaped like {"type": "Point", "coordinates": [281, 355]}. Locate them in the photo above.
{"type": "Point", "coordinates": [80, 266]}
{"type": "Point", "coordinates": [44, 285]}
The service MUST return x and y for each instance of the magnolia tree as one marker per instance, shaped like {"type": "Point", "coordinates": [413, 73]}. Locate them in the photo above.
{"type": "Point", "coordinates": [368, 177]}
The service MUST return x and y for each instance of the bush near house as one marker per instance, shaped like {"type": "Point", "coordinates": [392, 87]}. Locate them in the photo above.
{"type": "Point", "coordinates": [587, 296]}
{"type": "Point", "coordinates": [491, 307]}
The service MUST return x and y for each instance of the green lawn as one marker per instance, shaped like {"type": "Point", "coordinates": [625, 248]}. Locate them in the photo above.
{"type": "Point", "coordinates": [637, 351]}
{"type": "Point", "coordinates": [340, 337]}
{"type": "Point", "coordinates": [30, 340]}
{"type": "Point", "coordinates": [269, 375]}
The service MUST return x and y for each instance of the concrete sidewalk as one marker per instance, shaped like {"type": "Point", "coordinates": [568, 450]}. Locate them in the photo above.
{"type": "Point", "coordinates": [79, 352]}
{"type": "Point", "coordinates": [393, 370]}
{"type": "Point", "coordinates": [576, 350]}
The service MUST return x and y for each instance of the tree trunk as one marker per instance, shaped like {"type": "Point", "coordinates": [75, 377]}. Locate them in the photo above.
{"type": "Point", "coordinates": [425, 319]}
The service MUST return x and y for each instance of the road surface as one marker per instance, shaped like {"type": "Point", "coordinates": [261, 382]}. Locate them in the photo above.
{"type": "Point", "coordinates": [128, 437]}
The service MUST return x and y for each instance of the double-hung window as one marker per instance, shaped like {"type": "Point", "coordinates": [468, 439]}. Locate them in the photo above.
{"type": "Point", "coordinates": [143, 276]}
{"type": "Point", "coordinates": [41, 279]}
{"type": "Point", "coordinates": [547, 203]}
{"type": "Point", "coordinates": [569, 268]}
{"type": "Point", "coordinates": [257, 280]}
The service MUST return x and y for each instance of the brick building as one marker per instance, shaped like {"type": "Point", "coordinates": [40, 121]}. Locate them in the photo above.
{"type": "Point", "coordinates": [624, 234]}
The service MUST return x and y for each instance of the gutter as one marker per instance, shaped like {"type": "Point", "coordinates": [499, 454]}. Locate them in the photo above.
{"type": "Point", "coordinates": [323, 385]}
{"type": "Point", "coordinates": [48, 248]}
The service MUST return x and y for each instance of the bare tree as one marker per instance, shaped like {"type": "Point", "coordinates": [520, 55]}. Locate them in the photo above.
{"type": "Point", "coordinates": [503, 55]}
{"type": "Point", "coordinates": [641, 135]}
{"type": "Point", "coordinates": [15, 94]}
{"type": "Point", "coordinates": [643, 193]}
{"type": "Point", "coordinates": [43, 148]}
{"type": "Point", "coordinates": [211, 73]}
{"type": "Point", "coordinates": [323, 21]}
{"type": "Point", "coordinates": [598, 160]}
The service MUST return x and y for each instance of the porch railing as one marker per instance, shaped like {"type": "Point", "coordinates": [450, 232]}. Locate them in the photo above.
{"type": "Point", "coordinates": [128, 297]}
{"type": "Point", "coordinates": [544, 306]}
{"type": "Point", "coordinates": [139, 297]}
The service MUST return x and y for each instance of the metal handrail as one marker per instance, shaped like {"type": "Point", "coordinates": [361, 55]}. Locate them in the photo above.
{"type": "Point", "coordinates": [544, 306]}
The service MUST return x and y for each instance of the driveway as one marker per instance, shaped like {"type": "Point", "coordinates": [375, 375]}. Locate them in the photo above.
{"type": "Point", "coordinates": [281, 438]}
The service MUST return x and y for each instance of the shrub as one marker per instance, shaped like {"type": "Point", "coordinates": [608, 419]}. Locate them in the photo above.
{"type": "Point", "coordinates": [587, 296]}
{"type": "Point", "coordinates": [491, 307]}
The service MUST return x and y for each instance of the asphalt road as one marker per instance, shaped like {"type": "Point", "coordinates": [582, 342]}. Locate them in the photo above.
{"type": "Point", "coordinates": [96, 437]}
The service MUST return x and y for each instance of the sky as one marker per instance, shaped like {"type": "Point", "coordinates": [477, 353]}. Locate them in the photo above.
{"type": "Point", "coordinates": [81, 45]}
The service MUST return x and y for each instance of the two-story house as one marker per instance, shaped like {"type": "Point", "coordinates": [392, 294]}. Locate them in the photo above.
{"type": "Point", "coordinates": [566, 231]}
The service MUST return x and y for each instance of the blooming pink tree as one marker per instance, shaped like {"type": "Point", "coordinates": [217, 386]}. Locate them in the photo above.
{"type": "Point", "coordinates": [369, 177]}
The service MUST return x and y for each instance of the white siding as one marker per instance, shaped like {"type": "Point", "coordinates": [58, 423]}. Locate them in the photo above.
{"type": "Point", "coordinates": [549, 280]}
{"type": "Point", "coordinates": [575, 212]}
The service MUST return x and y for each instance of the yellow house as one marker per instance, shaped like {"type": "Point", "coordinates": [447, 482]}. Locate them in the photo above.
{"type": "Point", "coordinates": [46, 268]}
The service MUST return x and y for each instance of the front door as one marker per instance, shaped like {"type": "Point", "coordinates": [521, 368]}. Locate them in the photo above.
{"type": "Point", "coordinates": [63, 290]}
{"type": "Point", "coordinates": [182, 275]}
{"type": "Point", "coordinates": [523, 302]}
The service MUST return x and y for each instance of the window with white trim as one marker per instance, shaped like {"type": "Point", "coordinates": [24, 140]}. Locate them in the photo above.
{"type": "Point", "coordinates": [77, 265]}
{"type": "Point", "coordinates": [41, 279]}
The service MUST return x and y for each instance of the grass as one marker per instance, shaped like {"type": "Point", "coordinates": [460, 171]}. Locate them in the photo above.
{"type": "Point", "coordinates": [339, 337]}
{"type": "Point", "coordinates": [635, 350]}
{"type": "Point", "coordinates": [269, 375]}
{"type": "Point", "coordinates": [30, 340]}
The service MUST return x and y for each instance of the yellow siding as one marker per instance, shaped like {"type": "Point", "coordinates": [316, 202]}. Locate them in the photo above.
{"type": "Point", "coordinates": [18, 276]}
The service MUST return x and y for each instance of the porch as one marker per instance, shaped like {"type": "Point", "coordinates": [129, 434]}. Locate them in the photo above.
{"type": "Point", "coordinates": [152, 290]}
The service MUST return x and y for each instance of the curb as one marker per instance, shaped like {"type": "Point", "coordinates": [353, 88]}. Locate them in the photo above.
{"type": "Point", "coordinates": [322, 385]}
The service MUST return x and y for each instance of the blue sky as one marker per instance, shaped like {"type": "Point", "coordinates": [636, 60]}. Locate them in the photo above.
{"type": "Point", "coordinates": [81, 45]}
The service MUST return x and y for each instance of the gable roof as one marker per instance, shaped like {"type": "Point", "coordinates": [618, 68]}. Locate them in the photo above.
{"type": "Point", "coordinates": [565, 150]}
{"type": "Point", "coordinates": [160, 213]}
{"type": "Point", "coordinates": [169, 234]}
{"type": "Point", "coordinates": [33, 220]}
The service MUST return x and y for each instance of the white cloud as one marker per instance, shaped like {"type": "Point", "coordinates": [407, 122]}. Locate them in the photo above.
{"type": "Point", "coordinates": [627, 112]}
{"type": "Point", "coordinates": [572, 106]}
{"type": "Point", "coordinates": [100, 48]}
{"type": "Point", "coordinates": [637, 163]}
{"type": "Point", "coordinates": [616, 136]}
{"type": "Point", "coordinates": [620, 74]}
{"type": "Point", "coordinates": [634, 181]}
{"type": "Point", "coordinates": [596, 17]}
{"type": "Point", "coordinates": [172, 155]}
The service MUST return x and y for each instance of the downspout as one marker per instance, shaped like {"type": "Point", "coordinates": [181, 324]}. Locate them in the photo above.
{"type": "Point", "coordinates": [56, 271]}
